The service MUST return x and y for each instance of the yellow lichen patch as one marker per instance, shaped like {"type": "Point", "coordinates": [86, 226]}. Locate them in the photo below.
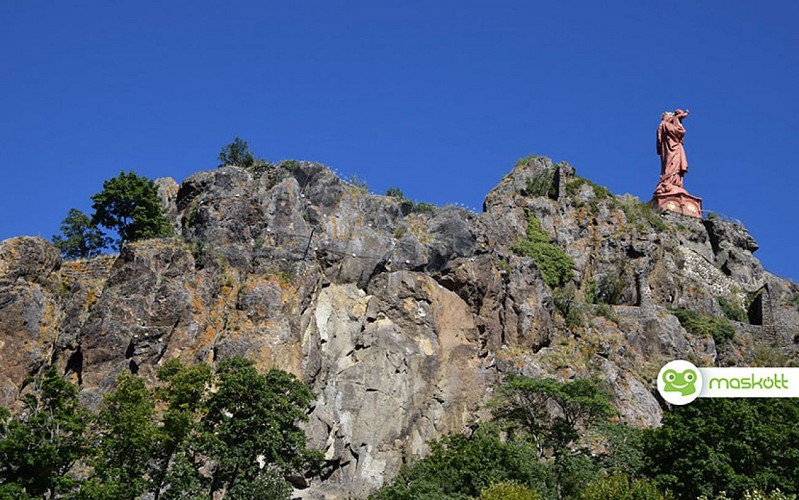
{"type": "Point", "coordinates": [48, 329]}
{"type": "Point", "coordinates": [91, 297]}
{"type": "Point", "coordinates": [91, 272]}
{"type": "Point", "coordinates": [416, 225]}
{"type": "Point", "coordinates": [409, 305]}
{"type": "Point", "coordinates": [511, 352]}
{"type": "Point", "coordinates": [288, 294]}
{"type": "Point", "coordinates": [283, 279]}
{"type": "Point", "coordinates": [563, 356]}
{"type": "Point", "coordinates": [358, 309]}
{"type": "Point", "coordinates": [213, 318]}
{"type": "Point", "coordinates": [333, 226]}
{"type": "Point", "coordinates": [515, 355]}
{"type": "Point", "coordinates": [171, 190]}
{"type": "Point", "coordinates": [595, 237]}
{"type": "Point", "coordinates": [8, 252]}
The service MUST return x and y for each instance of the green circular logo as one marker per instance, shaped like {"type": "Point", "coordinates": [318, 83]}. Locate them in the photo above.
{"type": "Point", "coordinates": [679, 382]}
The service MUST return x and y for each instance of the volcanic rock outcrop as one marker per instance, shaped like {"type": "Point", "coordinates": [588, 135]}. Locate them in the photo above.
{"type": "Point", "coordinates": [401, 319]}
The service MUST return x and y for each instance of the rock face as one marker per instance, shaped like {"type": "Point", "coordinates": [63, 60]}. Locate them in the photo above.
{"type": "Point", "coordinates": [401, 320]}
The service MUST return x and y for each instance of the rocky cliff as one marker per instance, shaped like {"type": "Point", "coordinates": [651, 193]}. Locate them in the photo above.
{"type": "Point", "coordinates": [401, 319]}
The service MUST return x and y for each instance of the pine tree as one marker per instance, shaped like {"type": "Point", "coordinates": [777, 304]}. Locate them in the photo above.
{"type": "Point", "coordinates": [129, 204]}
{"type": "Point", "coordinates": [82, 238]}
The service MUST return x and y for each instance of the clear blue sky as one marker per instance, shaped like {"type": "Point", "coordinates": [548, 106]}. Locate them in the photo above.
{"type": "Point", "coordinates": [438, 98]}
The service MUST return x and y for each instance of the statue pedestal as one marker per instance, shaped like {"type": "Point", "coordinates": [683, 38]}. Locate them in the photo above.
{"type": "Point", "coordinates": [682, 203]}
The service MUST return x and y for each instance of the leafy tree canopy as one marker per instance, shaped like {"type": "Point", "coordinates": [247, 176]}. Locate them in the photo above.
{"type": "Point", "coordinates": [509, 491]}
{"type": "Point", "coordinates": [552, 413]}
{"type": "Point", "coordinates": [180, 440]}
{"type": "Point", "coordinates": [82, 238]}
{"type": "Point", "coordinates": [39, 448]}
{"type": "Point", "coordinates": [254, 419]}
{"type": "Point", "coordinates": [621, 487]}
{"type": "Point", "coordinates": [237, 153]}
{"type": "Point", "coordinates": [129, 204]}
{"type": "Point", "coordinates": [461, 467]}
{"type": "Point", "coordinates": [731, 445]}
{"type": "Point", "coordinates": [527, 405]}
{"type": "Point", "coordinates": [128, 437]}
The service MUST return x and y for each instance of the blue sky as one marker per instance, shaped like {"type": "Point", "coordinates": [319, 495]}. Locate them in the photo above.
{"type": "Point", "coordinates": [436, 98]}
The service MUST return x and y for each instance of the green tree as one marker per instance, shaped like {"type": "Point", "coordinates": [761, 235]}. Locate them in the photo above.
{"type": "Point", "coordinates": [461, 467]}
{"type": "Point", "coordinates": [625, 449]}
{"type": "Point", "coordinates": [509, 491]}
{"type": "Point", "coordinates": [237, 153]}
{"type": "Point", "coordinates": [252, 423]}
{"type": "Point", "coordinates": [395, 193]}
{"type": "Point", "coordinates": [242, 437]}
{"type": "Point", "coordinates": [38, 449]}
{"type": "Point", "coordinates": [267, 483]}
{"type": "Point", "coordinates": [129, 205]}
{"type": "Point", "coordinates": [127, 442]}
{"type": "Point", "coordinates": [525, 403]}
{"type": "Point", "coordinates": [82, 238]}
{"type": "Point", "coordinates": [183, 480]}
{"type": "Point", "coordinates": [621, 487]}
{"type": "Point", "coordinates": [552, 413]}
{"type": "Point", "coordinates": [184, 390]}
{"type": "Point", "coordinates": [753, 495]}
{"type": "Point", "coordinates": [732, 445]}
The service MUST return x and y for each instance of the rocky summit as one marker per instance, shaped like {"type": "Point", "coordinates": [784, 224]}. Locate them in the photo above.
{"type": "Point", "coordinates": [401, 317]}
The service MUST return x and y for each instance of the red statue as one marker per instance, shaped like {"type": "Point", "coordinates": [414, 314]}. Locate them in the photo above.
{"type": "Point", "coordinates": [670, 193]}
{"type": "Point", "coordinates": [673, 163]}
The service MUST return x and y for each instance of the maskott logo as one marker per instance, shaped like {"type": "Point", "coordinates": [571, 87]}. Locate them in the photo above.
{"type": "Point", "coordinates": [684, 383]}
{"type": "Point", "coordinates": [679, 382]}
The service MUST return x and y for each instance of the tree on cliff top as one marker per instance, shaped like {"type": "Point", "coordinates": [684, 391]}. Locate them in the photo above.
{"type": "Point", "coordinates": [82, 238]}
{"type": "Point", "coordinates": [237, 153]}
{"type": "Point", "coordinates": [129, 205]}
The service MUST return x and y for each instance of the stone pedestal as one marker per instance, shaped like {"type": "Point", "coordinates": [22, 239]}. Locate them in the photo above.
{"type": "Point", "coordinates": [682, 203]}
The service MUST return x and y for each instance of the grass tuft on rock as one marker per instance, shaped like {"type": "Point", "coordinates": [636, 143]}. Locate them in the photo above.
{"type": "Point", "coordinates": [555, 264]}
{"type": "Point", "coordinates": [707, 326]}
